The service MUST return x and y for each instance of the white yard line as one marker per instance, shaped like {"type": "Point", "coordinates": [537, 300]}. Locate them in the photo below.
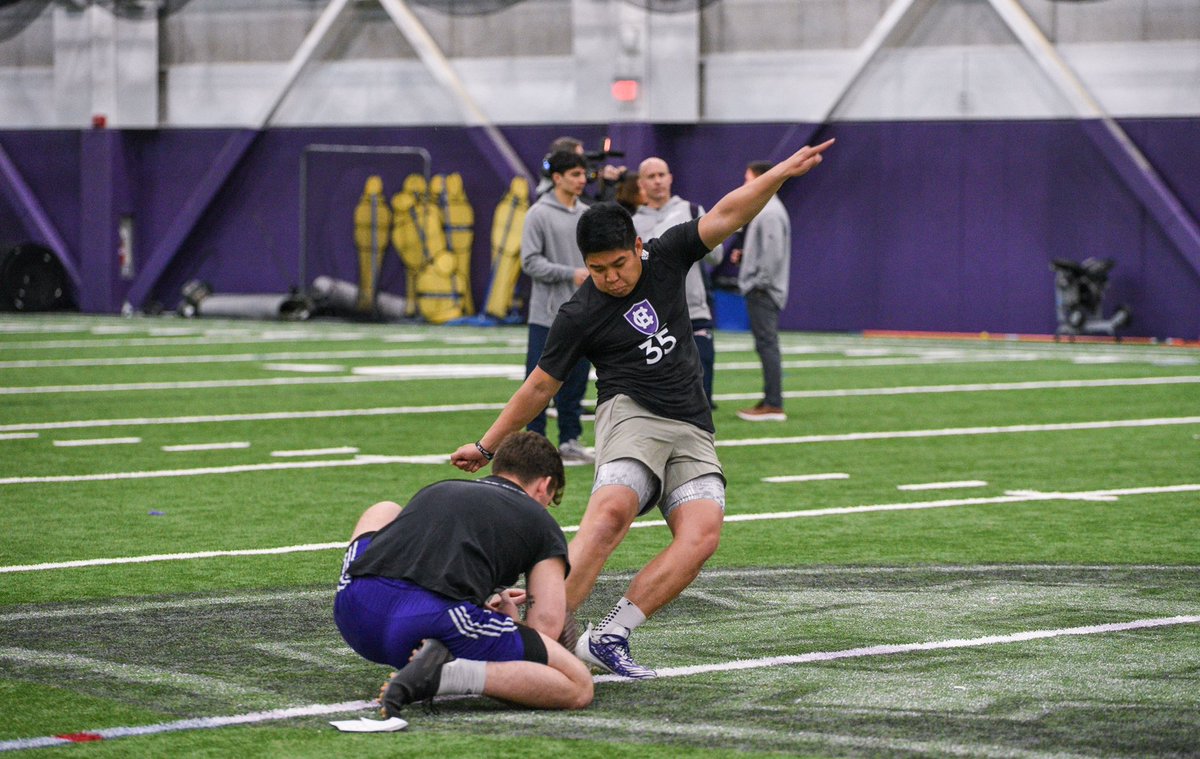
{"type": "Point", "coordinates": [1015, 497]}
{"type": "Point", "coordinates": [434, 458]}
{"type": "Point", "coordinates": [807, 477]}
{"type": "Point", "coordinates": [312, 710]}
{"type": "Point", "coordinates": [907, 648]}
{"type": "Point", "coordinates": [17, 435]}
{"type": "Point", "coordinates": [943, 485]}
{"type": "Point", "coordinates": [222, 384]}
{"type": "Point", "coordinates": [189, 447]}
{"type": "Point", "coordinates": [976, 387]}
{"type": "Point", "coordinates": [198, 723]}
{"type": "Point", "coordinates": [305, 368]}
{"type": "Point", "coordinates": [172, 557]}
{"type": "Point", "coordinates": [97, 441]}
{"type": "Point", "coordinates": [344, 450]}
{"type": "Point", "coordinates": [204, 340]}
{"type": "Point", "coordinates": [961, 431]}
{"type": "Point", "coordinates": [134, 608]}
{"type": "Point", "coordinates": [234, 358]}
{"type": "Point", "coordinates": [261, 416]}
{"type": "Point", "coordinates": [233, 469]}
{"type": "Point", "coordinates": [456, 408]}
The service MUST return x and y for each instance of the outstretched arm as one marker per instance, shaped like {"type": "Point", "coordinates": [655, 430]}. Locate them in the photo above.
{"type": "Point", "coordinates": [733, 211]}
{"type": "Point", "coordinates": [530, 398]}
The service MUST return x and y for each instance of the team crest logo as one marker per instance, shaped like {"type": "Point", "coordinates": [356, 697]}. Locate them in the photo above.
{"type": "Point", "coordinates": [641, 316]}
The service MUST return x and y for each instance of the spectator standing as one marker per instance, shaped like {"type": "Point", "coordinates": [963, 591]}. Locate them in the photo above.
{"type": "Point", "coordinates": [660, 211]}
{"type": "Point", "coordinates": [551, 258]}
{"type": "Point", "coordinates": [763, 282]}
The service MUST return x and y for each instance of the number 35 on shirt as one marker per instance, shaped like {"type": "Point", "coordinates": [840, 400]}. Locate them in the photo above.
{"type": "Point", "coordinates": [660, 344]}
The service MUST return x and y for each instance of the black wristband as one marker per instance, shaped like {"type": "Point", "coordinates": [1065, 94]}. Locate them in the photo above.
{"type": "Point", "coordinates": [486, 453]}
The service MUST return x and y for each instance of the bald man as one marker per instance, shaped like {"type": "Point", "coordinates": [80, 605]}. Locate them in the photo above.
{"type": "Point", "coordinates": [661, 211]}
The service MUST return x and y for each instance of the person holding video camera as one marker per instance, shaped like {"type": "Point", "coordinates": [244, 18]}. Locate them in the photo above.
{"type": "Point", "coordinates": [606, 177]}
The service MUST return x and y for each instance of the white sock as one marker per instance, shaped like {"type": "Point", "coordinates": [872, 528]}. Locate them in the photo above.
{"type": "Point", "coordinates": [623, 619]}
{"type": "Point", "coordinates": [463, 677]}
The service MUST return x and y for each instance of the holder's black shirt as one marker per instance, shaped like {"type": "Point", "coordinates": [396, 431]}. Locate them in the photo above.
{"type": "Point", "coordinates": [464, 539]}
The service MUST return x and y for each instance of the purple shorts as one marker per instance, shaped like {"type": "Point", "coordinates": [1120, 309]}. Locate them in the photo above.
{"type": "Point", "coordinates": [383, 620]}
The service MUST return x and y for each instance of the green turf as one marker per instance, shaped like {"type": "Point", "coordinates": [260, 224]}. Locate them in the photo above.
{"type": "Point", "coordinates": [87, 648]}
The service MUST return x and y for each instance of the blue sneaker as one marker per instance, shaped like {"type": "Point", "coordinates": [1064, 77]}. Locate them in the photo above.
{"type": "Point", "coordinates": [611, 654]}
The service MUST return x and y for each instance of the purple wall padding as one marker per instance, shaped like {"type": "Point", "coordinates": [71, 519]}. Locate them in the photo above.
{"type": "Point", "coordinates": [944, 226]}
{"type": "Point", "coordinates": [48, 161]}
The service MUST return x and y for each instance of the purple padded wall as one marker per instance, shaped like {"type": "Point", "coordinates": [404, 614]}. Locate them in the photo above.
{"type": "Point", "coordinates": [946, 226]}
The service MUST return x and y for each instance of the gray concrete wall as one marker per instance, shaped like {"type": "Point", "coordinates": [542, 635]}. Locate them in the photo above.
{"type": "Point", "coordinates": [217, 62]}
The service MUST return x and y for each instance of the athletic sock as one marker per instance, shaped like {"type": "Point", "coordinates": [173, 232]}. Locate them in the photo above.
{"type": "Point", "coordinates": [623, 619]}
{"type": "Point", "coordinates": [463, 677]}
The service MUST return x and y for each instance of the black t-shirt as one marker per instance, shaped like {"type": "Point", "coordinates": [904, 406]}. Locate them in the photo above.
{"type": "Point", "coordinates": [641, 344]}
{"type": "Point", "coordinates": [464, 539]}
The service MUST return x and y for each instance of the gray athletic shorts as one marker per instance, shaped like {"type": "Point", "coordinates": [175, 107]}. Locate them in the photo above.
{"type": "Point", "coordinates": [674, 454]}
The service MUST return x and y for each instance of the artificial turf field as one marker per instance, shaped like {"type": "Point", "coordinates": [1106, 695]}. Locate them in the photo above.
{"type": "Point", "coordinates": [951, 548]}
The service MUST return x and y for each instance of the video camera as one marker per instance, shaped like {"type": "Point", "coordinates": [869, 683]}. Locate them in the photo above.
{"type": "Point", "coordinates": [596, 158]}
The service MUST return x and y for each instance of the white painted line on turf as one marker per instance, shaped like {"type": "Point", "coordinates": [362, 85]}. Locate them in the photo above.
{"type": "Point", "coordinates": [839, 363]}
{"type": "Point", "coordinates": [906, 648]}
{"type": "Point", "coordinates": [1026, 497]}
{"type": "Point", "coordinates": [978, 387]}
{"type": "Point", "coordinates": [218, 384]}
{"type": "Point", "coordinates": [134, 608]}
{"type": "Point", "coordinates": [962, 431]}
{"type": "Point", "coordinates": [344, 450]}
{"type": "Point", "coordinates": [305, 368]}
{"type": "Point", "coordinates": [188, 447]}
{"type": "Point", "coordinates": [225, 337]}
{"type": "Point", "coordinates": [1063, 496]}
{"type": "Point", "coordinates": [455, 408]}
{"type": "Point", "coordinates": [97, 441]}
{"type": "Point", "coordinates": [807, 477]}
{"type": "Point", "coordinates": [443, 371]}
{"type": "Point", "coordinates": [198, 723]}
{"type": "Point", "coordinates": [234, 469]}
{"type": "Point", "coordinates": [18, 435]}
{"type": "Point", "coordinates": [666, 672]}
{"type": "Point", "coordinates": [172, 557]}
{"type": "Point", "coordinates": [233, 358]}
{"type": "Point", "coordinates": [943, 485]}
{"type": "Point", "coordinates": [434, 458]}
{"type": "Point", "coordinates": [262, 416]}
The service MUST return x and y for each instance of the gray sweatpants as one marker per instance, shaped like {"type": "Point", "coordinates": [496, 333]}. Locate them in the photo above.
{"type": "Point", "coordinates": [764, 324]}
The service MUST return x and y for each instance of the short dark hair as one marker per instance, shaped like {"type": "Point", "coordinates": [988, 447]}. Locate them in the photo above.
{"type": "Point", "coordinates": [758, 168]}
{"type": "Point", "coordinates": [603, 227]}
{"type": "Point", "coordinates": [528, 456]}
{"type": "Point", "coordinates": [561, 162]}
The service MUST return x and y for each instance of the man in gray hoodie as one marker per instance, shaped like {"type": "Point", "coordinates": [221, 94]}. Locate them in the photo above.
{"type": "Point", "coordinates": [763, 281]}
{"type": "Point", "coordinates": [551, 258]}
{"type": "Point", "coordinates": [661, 211]}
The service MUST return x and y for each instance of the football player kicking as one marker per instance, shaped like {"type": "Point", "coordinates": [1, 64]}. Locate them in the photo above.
{"type": "Point", "coordinates": [420, 581]}
{"type": "Point", "coordinates": [654, 429]}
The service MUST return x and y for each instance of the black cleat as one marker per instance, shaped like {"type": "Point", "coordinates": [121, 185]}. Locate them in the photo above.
{"type": "Point", "coordinates": [418, 681]}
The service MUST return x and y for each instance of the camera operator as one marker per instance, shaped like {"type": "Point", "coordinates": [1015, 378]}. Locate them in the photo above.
{"type": "Point", "coordinates": [606, 177]}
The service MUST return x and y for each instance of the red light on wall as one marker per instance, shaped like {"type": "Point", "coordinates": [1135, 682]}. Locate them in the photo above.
{"type": "Point", "coordinates": [625, 90]}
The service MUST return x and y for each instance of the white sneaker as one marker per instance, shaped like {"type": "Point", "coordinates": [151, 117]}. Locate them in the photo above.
{"type": "Point", "coordinates": [574, 453]}
{"type": "Point", "coordinates": [611, 654]}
